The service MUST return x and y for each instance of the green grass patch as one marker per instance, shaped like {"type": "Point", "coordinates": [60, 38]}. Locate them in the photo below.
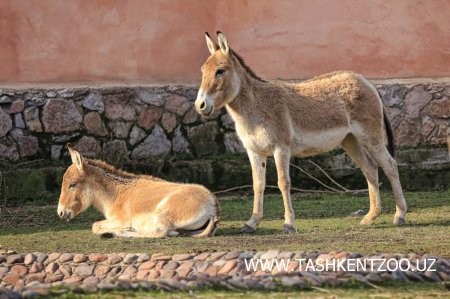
{"type": "Point", "coordinates": [391, 290]}
{"type": "Point", "coordinates": [323, 224]}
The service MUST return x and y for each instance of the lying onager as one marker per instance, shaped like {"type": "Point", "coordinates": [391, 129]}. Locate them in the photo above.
{"type": "Point", "coordinates": [135, 205]}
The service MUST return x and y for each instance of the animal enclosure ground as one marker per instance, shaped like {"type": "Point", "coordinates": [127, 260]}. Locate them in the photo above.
{"type": "Point", "coordinates": [323, 224]}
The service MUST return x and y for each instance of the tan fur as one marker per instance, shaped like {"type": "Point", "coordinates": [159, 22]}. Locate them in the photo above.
{"type": "Point", "coordinates": [282, 120]}
{"type": "Point", "coordinates": [136, 205]}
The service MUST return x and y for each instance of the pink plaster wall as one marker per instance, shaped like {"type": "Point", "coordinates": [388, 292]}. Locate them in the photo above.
{"type": "Point", "coordinates": [146, 41]}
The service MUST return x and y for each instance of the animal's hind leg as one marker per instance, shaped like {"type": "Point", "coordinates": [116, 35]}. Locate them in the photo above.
{"type": "Point", "coordinates": [282, 158]}
{"type": "Point", "coordinates": [370, 171]}
{"type": "Point", "coordinates": [380, 153]}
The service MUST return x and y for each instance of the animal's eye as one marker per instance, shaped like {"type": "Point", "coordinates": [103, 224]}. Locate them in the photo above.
{"type": "Point", "coordinates": [73, 184]}
{"type": "Point", "coordinates": [220, 72]}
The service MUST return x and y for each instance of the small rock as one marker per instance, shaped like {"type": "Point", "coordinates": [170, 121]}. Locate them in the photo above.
{"type": "Point", "coordinates": [130, 270]}
{"type": "Point", "coordinates": [183, 273]}
{"type": "Point", "coordinates": [61, 116]}
{"type": "Point", "coordinates": [84, 270]}
{"type": "Point", "coordinates": [147, 265]}
{"type": "Point", "coordinates": [11, 279]}
{"type": "Point", "coordinates": [94, 101]}
{"type": "Point", "coordinates": [32, 119]}
{"type": "Point", "coordinates": [39, 277]}
{"type": "Point", "coordinates": [79, 258]}
{"type": "Point", "coordinates": [72, 280]}
{"type": "Point", "coordinates": [114, 259]}
{"type": "Point", "coordinates": [142, 274]}
{"type": "Point", "coordinates": [136, 135]}
{"type": "Point", "coordinates": [15, 107]}
{"type": "Point", "coordinates": [201, 256]}
{"type": "Point", "coordinates": [181, 257]}
{"type": "Point", "coordinates": [19, 270]}
{"type": "Point", "coordinates": [41, 257]}
{"type": "Point", "coordinates": [53, 256]}
{"type": "Point", "coordinates": [88, 146]}
{"type": "Point", "coordinates": [167, 274]}
{"type": "Point", "coordinates": [191, 116]}
{"type": "Point", "coordinates": [155, 98]}
{"type": "Point", "coordinates": [154, 274]}
{"type": "Point", "coordinates": [149, 117]}
{"type": "Point", "coordinates": [65, 257]}
{"type": "Point", "coordinates": [232, 255]}
{"type": "Point", "coordinates": [171, 265]}
{"type": "Point", "coordinates": [230, 265]}
{"type": "Point", "coordinates": [5, 123]}
{"type": "Point", "coordinates": [269, 255]}
{"type": "Point", "coordinates": [246, 255]}
{"type": "Point", "coordinates": [120, 128]}
{"type": "Point", "coordinates": [91, 280]}
{"type": "Point", "coordinates": [18, 121]}
{"type": "Point", "coordinates": [96, 257]}
{"type": "Point", "coordinates": [66, 270]}
{"type": "Point", "coordinates": [14, 259]}
{"type": "Point", "coordinates": [215, 256]}
{"type": "Point", "coordinates": [212, 270]}
{"type": "Point", "coordinates": [143, 258]}
{"type": "Point", "coordinates": [29, 259]}
{"type": "Point", "coordinates": [156, 145]}
{"type": "Point", "coordinates": [179, 142]}
{"type": "Point", "coordinates": [52, 268]}
{"type": "Point", "coordinates": [37, 267]}
{"type": "Point", "coordinates": [50, 94]}
{"type": "Point", "coordinates": [169, 121]}
{"type": "Point", "coordinates": [129, 259]}
{"type": "Point", "coordinates": [94, 124]}
{"type": "Point", "coordinates": [101, 271]}
{"type": "Point", "coordinates": [178, 104]}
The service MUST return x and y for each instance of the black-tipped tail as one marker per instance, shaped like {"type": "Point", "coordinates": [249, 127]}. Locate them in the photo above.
{"type": "Point", "coordinates": [389, 133]}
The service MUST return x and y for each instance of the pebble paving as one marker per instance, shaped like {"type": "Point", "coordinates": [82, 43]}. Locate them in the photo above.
{"type": "Point", "coordinates": [39, 274]}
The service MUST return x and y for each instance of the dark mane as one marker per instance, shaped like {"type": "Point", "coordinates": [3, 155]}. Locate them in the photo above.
{"type": "Point", "coordinates": [246, 67]}
{"type": "Point", "coordinates": [116, 174]}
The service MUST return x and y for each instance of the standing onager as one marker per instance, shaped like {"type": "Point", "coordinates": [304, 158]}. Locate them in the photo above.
{"type": "Point", "coordinates": [305, 119]}
{"type": "Point", "coordinates": [136, 205]}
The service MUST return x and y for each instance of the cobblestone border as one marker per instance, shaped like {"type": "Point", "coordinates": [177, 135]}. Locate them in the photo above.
{"type": "Point", "coordinates": [40, 274]}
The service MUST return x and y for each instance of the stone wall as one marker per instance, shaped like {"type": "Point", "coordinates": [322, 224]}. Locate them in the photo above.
{"type": "Point", "coordinates": [141, 125]}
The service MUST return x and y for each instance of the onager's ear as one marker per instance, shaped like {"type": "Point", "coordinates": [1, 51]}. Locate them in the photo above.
{"type": "Point", "coordinates": [223, 43]}
{"type": "Point", "coordinates": [212, 46]}
{"type": "Point", "coordinates": [77, 159]}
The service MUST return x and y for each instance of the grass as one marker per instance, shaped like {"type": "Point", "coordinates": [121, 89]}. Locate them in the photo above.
{"type": "Point", "coordinates": [389, 290]}
{"type": "Point", "coordinates": [323, 224]}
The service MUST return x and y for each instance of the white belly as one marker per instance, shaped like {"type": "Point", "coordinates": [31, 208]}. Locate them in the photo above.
{"type": "Point", "coordinates": [313, 143]}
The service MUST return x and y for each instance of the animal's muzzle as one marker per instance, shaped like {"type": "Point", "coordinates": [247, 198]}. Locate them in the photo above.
{"type": "Point", "coordinates": [65, 214]}
{"type": "Point", "coordinates": [203, 104]}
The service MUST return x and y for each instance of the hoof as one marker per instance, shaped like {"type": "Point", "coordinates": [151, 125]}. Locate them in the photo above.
{"type": "Point", "coordinates": [366, 221]}
{"type": "Point", "coordinates": [289, 229]}
{"type": "Point", "coordinates": [399, 221]}
{"type": "Point", "coordinates": [107, 236]}
{"type": "Point", "coordinates": [247, 229]}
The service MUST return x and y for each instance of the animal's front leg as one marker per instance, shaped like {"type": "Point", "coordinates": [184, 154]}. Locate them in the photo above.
{"type": "Point", "coordinates": [107, 227]}
{"type": "Point", "coordinates": [282, 158]}
{"type": "Point", "coordinates": [258, 163]}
